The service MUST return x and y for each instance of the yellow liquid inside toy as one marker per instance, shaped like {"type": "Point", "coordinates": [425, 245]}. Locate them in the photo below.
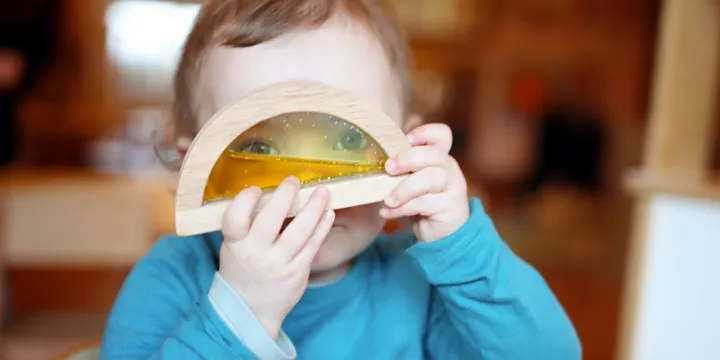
{"type": "Point", "coordinates": [234, 172]}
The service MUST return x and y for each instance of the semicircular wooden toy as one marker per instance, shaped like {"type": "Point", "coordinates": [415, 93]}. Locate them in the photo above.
{"type": "Point", "coordinates": [322, 135]}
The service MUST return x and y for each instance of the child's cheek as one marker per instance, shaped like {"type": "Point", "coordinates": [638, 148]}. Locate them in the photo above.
{"type": "Point", "coordinates": [333, 252]}
{"type": "Point", "coordinates": [321, 256]}
{"type": "Point", "coordinates": [317, 261]}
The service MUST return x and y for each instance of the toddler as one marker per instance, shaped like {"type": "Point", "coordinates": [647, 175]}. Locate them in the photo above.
{"type": "Point", "coordinates": [328, 284]}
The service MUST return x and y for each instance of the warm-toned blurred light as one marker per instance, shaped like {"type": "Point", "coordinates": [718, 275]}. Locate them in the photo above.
{"type": "Point", "coordinates": [144, 41]}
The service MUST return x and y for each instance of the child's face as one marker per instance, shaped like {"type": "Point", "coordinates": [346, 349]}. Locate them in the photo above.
{"type": "Point", "coordinates": [343, 54]}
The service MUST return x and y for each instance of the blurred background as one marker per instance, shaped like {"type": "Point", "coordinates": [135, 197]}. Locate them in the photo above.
{"type": "Point", "coordinates": [552, 103]}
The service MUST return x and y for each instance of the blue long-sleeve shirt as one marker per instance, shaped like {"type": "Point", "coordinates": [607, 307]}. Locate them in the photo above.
{"type": "Point", "coordinates": [463, 297]}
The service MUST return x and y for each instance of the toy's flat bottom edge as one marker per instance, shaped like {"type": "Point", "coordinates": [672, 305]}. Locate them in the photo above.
{"type": "Point", "coordinates": [343, 194]}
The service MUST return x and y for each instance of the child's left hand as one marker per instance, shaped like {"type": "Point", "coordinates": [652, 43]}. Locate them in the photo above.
{"type": "Point", "coordinates": [435, 192]}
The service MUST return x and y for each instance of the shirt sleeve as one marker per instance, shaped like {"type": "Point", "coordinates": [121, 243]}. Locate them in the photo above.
{"type": "Point", "coordinates": [231, 308]}
{"type": "Point", "coordinates": [157, 314]}
{"type": "Point", "coordinates": [488, 303]}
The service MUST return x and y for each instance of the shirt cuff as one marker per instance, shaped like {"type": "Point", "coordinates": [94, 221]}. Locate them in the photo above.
{"type": "Point", "coordinates": [464, 256]}
{"type": "Point", "coordinates": [233, 311]}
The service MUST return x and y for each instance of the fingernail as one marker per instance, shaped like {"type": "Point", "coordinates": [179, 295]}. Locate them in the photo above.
{"type": "Point", "coordinates": [384, 212]}
{"type": "Point", "coordinates": [391, 201]}
{"type": "Point", "coordinates": [329, 214]}
{"type": "Point", "coordinates": [253, 189]}
{"type": "Point", "coordinates": [292, 180]}
{"type": "Point", "coordinates": [410, 139]}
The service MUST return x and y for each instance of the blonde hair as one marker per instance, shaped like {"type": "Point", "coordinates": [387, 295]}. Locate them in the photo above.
{"type": "Point", "coordinates": [243, 23]}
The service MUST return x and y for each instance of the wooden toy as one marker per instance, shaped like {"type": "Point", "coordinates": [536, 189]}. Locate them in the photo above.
{"type": "Point", "coordinates": [324, 136]}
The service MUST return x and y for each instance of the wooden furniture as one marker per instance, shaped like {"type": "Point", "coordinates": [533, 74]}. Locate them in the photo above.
{"type": "Point", "coordinates": [671, 290]}
{"type": "Point", "coordinates": [74, 235]}
{"type": "Point", "coordinates": [60, 219]}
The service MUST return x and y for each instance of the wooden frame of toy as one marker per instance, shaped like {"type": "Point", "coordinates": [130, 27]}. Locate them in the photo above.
{"type": "Point", "coordinates": [194, 214]}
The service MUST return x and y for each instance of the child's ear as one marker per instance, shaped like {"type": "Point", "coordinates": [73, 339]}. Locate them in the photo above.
{"type": "Point", "coordinates": [171, 155]}
{"type": "Point", "coordinates": [182, 145]}
{"type": "Point", "coordinates": [413, 121]}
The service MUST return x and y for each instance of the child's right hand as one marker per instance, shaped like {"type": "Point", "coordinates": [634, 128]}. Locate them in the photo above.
{"type": "Point", "coordinates": [269, 270]}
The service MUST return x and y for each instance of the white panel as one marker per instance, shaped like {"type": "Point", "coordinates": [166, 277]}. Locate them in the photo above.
{"type": "Point", "coordinates": [679, 308]}
{"type": "Point", "coordinates": [77, 222]}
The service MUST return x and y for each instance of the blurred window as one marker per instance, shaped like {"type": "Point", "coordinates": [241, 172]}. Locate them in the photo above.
{"type": "Point", "coordinates": [144, 40]}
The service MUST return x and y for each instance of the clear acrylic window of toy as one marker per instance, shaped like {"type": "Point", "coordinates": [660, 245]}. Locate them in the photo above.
{"type": "Point", "coordinates": [312, 146]}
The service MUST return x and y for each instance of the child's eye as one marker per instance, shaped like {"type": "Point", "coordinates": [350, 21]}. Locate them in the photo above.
{"type": "Point", "coordinates": [352, 140]}
{"type": "Point", "coordinates": [259, 148]}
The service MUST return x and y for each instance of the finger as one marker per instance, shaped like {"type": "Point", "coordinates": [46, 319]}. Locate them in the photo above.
{"type": "Point", "coordinates": [425, 205]}
{"type": "Point", "coordinates": [415, 159]}
{"type": "Point", "coordinates": [305, 257]}
{"type": "Point", "coordinates": [426, 181]}
{"type": "Point", "coordinates": [297, 233]}
{"type": "Point", "coordinates": [269, 220]}
{"type": "Point", "coordinates": [237, 217]}
{"type": "Point", "coordinates": [438, 135]}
